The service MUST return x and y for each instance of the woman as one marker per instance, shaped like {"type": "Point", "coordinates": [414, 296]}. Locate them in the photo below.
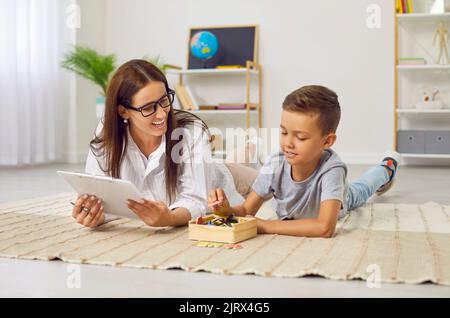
{"type": "Point", "coordinates": [140, 129]}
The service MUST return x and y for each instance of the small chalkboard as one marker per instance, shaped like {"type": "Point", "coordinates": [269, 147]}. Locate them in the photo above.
{"type": "Point", "coordinates": [237, 45]}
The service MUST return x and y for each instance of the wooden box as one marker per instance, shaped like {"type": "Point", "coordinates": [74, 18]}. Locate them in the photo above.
{"type": "Point", "coordinates": [238, 232]}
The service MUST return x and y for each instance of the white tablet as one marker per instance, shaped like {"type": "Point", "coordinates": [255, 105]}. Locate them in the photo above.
{"type": "Point", "coordinates": [113, 192]}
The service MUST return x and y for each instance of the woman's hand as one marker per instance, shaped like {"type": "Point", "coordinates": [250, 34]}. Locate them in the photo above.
{"type": "Point", "coordinates": [218, 202]}
{"type": "Point", "coordinates": [153, 213]}
{"type": "Point", "coordinates": [88, 211]}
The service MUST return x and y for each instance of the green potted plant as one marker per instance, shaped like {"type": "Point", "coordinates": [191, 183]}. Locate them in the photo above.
{"type": "Point", "coordinates": [98, 68]}
{"type": "Point", "coordinates": [93, 66]}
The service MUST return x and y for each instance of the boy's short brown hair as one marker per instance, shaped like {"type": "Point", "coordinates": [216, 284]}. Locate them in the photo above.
{"type": "Point", "coordinates": [316, 99]}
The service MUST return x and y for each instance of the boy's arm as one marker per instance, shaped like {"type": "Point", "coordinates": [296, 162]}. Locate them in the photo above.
{"type": "Point", "coordinates": [249, 207]}
{"type": "Point", "coordinates": [323, 226]}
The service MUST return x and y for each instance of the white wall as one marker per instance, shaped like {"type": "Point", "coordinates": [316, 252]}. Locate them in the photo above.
{"type": "Point", "coordinates": [302, 42]}
{"type": "Point", "coordinates": [92, 34]}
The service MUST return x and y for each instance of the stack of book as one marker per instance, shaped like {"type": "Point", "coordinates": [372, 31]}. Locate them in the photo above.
{"type": "Point", "coordinates": [412, 61]}
{"type": "Point", "coordinates": [404, 6]}
{"type": "Point", "coordinates": [229, 67]}
{"type": "Point", "coordinates": [207, 107]}
{"type": "Point", "coordinates": [226, 106]}
{"type": "Point", "coordinates": [232, 106]}
{"type": "Point", "coordinates": [188, 101]}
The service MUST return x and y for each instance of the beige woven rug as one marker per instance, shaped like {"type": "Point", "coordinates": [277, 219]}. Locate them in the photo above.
{"type": "Point", "coordinates": [396, 243]}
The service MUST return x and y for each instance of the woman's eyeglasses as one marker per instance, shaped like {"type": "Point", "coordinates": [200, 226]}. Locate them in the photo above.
{"type": "Point", "coordinates": [150, 108]}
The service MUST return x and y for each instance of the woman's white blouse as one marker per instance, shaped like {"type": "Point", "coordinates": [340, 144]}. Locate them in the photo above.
{"type": "Point", "coordinates": [199, 174]}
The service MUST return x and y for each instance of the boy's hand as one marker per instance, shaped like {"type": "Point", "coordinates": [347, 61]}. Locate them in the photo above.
{"type": "Point", "coordinates": [261, 225]}
{"type": "Point", "coordinates": [218, 202]}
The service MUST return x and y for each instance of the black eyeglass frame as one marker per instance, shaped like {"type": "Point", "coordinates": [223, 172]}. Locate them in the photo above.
{"type": "Point", "coordinates": [170, 93]}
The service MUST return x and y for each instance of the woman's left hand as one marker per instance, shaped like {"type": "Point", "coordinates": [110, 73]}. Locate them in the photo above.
{"type": "Point", "coordinates": [153, 213]}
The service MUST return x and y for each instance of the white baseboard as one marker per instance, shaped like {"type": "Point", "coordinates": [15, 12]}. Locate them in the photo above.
{"type": "Point", "coordinates": [75, 157]}
{"type": "Point", "coordinates": [361, 158]}
{"type": "Point", "coordinates": [372, 158]}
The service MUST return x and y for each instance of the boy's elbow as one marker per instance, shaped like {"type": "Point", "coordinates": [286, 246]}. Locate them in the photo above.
{"type": "Point", "coordinates": [327, 231]}
{"type": "Point", "coordinates": [328, 234]}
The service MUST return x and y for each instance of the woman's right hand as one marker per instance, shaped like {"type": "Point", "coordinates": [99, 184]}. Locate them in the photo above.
{"type": "Point", "coordinates": [89, 211]}
{"type": "Point", "coordinates": [218, 202]}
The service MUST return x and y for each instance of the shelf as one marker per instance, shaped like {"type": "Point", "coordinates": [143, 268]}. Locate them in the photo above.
{"type": "Point", "coordinates": [424, 67]}
{"type": "Point", "coordinates": [422, 111]}
{"type": "Point", "coordinates": [246, 74]}
{"type": "Point", "coordinates": [423, 16]}
{"type": "Point", "coordinates": [424, 156]}
{"type": "Point", "coordinates": [223, 112]}
{"type": "Point", "coordinates": [411, 24]}
{"type": "Point", "coordinates": [238, 71]}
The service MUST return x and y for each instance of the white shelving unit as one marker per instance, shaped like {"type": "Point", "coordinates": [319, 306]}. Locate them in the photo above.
{"type": "Point", "coordinates": [423, 16]}
{"type": "Point", "coordinates": [251, 70]}
{"type": "Point", "coordinates": [413, 37]}
{"type": "Point", "coordinates": [415, 111]}
{"type": "Point", "coordinates": [223, 112]}
{"type": "Point", "coordinates": [423, 67]}
{"type": "Point", "coordinates": [241, 71]}
{"type": "Point", "coordinates": [424, 156]}
{"type": "Point", "coordinates": [243, 79]}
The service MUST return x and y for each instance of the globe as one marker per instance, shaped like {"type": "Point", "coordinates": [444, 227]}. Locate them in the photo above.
{"type": "Point", "coordinates": [204, 45]}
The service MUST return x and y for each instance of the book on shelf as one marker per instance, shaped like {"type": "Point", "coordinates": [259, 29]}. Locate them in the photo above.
{"type": "Point", "coordinates": [235, 106]}
{"type": "Point", "coordinates": [398, 6]}
{"type": "Point", "coordinates": [182, 97]}
{"type": "Point", "coordinates": [412, 61]}
{"type": "Point", "coordinates": [186, 97]}
{"type": "Point", "coordinates": [226, 67]}
{"type": "Point", "coordinates": [404, 6]}
{"type": "Point", "coordinates": [224, 106]}
{"type": "Point", "coordinates": [409, 5]}
{"type": "Point", "coordinates": [207, 107]}
{"type": "Point", "coordinates": [173, 67]}
{"type": "Point", "coordinates": [192, 100]}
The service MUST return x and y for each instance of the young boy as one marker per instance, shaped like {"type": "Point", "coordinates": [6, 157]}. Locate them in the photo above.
{"type": "Point", "coordinates": [307, 178]}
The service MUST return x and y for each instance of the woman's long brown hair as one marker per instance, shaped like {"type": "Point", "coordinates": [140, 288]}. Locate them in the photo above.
{"type": "Point", "coordinates": [112, 141]}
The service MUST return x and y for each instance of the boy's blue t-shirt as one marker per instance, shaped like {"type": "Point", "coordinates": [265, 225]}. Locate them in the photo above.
{"type": "Point", "coordinates": [301, 200]}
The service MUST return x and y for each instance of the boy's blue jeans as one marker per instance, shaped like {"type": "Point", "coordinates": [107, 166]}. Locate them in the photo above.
{"type": "Point", "coordinates": [363, 188]}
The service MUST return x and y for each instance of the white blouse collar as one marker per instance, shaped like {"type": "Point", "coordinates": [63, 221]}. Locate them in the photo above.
{"type": "Point", "coordinates": [154, 159]}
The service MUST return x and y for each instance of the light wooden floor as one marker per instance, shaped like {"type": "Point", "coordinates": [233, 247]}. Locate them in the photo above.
{"type": "Point", "coordinates": [47, 279]}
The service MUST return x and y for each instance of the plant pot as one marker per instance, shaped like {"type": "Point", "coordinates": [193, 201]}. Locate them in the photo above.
{"type": "Point", "coordinates": [100, 107]}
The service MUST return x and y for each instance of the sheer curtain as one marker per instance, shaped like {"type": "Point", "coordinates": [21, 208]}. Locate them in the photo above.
{"type": "Point", "coordinates": [34, 91]}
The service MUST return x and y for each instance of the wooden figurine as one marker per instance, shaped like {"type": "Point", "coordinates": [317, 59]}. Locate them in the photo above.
{"type": "Point", "coordinates": [442, 32]}
{"type": "Point", "coordinates": [429, 100]}
{"type": "Point", "coordinates": [430, 97]}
